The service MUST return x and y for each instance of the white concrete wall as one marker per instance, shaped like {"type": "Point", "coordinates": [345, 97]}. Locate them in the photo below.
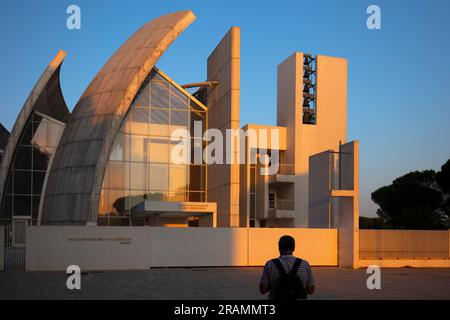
{"type": "Point", "coordinates": [91, 248]}
{"type": "Point", "coordinates": [2, 248]}
{"type": "Point", "coordinates": [349, 208]}
{"type": "Point", "coordinates": [320, 175]}
{"type": "Point", "coordinates": [317, 246]}
{"type": "Point", "coordinates": [175, 247]}
{"type": "Point", "coordinates": [139, 248]}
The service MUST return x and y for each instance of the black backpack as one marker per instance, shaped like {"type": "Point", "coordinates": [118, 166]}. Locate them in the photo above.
{"type": "Point", "coordinates": [289, 285]}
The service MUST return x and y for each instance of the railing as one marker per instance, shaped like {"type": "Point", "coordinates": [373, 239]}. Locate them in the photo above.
{"type": "Point", "coordinates": [287, 169]}
{"type": "Point", "coordinates": [403, 244]}
{"type": "Point", "coordinates": [284, 204]}
{"type": "Point", "coordinates": [14, 246]}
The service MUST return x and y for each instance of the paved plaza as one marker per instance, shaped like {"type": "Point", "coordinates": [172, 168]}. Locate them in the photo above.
{"type": "Point", "coordinates": [221, 283]}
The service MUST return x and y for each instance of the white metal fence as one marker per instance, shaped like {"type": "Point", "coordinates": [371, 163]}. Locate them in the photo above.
{"type": "Point", "coordinates": [14, 246]}
{"type": "Point", "coordinates": [403, 244]}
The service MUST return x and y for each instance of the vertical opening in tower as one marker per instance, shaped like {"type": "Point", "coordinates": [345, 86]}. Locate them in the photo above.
{"type": "Point", "coordinates": [309, 89]}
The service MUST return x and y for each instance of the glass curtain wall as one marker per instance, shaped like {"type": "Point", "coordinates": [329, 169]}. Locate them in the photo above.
{"type": "Point", "coordinates": [140, 165]}
{"type": "Point", "coordinates": [27, 171]}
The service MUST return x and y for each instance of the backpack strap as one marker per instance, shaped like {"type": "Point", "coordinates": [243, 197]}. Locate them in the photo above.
{"type": "Point", "coordinates": [279, 266]}
{"type": "Point", "coordinates": [296, 265]}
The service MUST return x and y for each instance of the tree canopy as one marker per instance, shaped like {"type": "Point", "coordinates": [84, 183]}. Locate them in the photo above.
{"type": "Point", "coordinates": [418, 200]}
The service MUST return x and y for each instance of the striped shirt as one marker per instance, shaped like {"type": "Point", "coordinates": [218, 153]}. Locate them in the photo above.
{"type": "Point", "coordinates": [270, 274]}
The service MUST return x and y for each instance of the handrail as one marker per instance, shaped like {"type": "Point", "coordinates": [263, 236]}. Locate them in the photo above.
{"type": "Point", "coordinates": [287, 169]}
{"type": "Point", "coordinates": [284, 204]}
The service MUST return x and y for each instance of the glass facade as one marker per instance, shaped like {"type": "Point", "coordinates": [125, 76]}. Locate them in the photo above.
{"type": "Point", "coordinates": [27, 171]}
{"type": "Point", "coordinates": [140, 165]}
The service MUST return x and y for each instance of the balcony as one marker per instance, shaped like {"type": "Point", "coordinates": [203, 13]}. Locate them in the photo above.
{"type": "Point", "coordinates": [286, 169]}
{"type": "Point", "coordinates": [284, 204]}
{"type": "Point", "coordinates": [282, 208]}
{"type": "Point", "coordinates": [286, 174]}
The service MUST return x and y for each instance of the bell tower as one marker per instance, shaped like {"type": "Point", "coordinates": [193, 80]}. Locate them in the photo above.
{"type": "Point", "coordinates": [312, 105]}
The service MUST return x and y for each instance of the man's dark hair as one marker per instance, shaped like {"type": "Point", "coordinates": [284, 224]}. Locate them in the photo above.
{"type": "Point", "coordinates": [286, 243]}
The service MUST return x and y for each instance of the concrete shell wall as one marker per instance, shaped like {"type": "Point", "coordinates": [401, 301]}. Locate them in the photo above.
{"type": "Point", "coordinates": [46, 97]}
{"type": "Point", "coordinates": [4, 135]}
{"type": "Point", "coordinates": [223, 114]}
{"type": "Point", "coordinates": [79, 164]}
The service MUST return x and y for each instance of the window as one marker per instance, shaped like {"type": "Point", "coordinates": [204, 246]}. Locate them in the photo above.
{"type": "Point", "coordinates": [159, 122]}
{"type": "Point", "coordinates": [272, 200]}
{"type": "Point", "coordinates": [140, 166]}
{"type": "Point", "coordinates": [139, 121]}
{"type": "Point", "coordinates": [179, 120]}
{"type": "Point", "coordinates": [138, 176]}
{"type": "Point", "coordinates": [158, 177]}
{"type": "Point", "coordinates": [178, 178]}
{"type": "Point", "coordinates": [28, 167]}
{"type": "Point", "coordinates": [177, 99]}
{"type": "Point", "coordinates": [159, 150]}
{"type": "Point", "coordinates": [160, 94]}
{"type": "Point", "coordinates": [143, 96]}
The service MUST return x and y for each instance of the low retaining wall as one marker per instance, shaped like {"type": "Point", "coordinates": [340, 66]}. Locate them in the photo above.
{"type": "Point", "coordinates": [318, 246]}
{"type": "Point", "coordinates": [139, 248]}
{"type": "Point", "coordinates": [193, 247]}
{"type": "Point", "coordinates": [91, 248]}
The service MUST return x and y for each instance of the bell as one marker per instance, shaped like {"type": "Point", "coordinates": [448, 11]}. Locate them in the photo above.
{"type": "Point", "coordinates": [305, 104]}
{"type": "Point", "coordinates": [308, 96]}
{"type": "Point", "coordinates": [306, 118]}
{"type": "Point", "coordinates": [307, 87]}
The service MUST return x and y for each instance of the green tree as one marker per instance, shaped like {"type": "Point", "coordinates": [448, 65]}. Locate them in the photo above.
{"type": "Point", "coordinates": [443, 181]}
{"type": "Point", "coordinates": [373, 223]}
{"type": "Point", "coordinates": [413, 201]}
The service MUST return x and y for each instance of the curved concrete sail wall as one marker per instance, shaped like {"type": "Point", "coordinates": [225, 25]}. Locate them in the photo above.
{"type": "Point", "coordinates": [46, 98]}
{"type": "Point", "coordinates": [79, 164]}
{"type": "Point", "coordinates": [4, 135]}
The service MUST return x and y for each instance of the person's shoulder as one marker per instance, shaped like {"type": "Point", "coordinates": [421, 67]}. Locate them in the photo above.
{"type": "Point", "coordinates": [270, 263]}
{"type": "Point", "coordinates": [306, 264]}
{"type": "Point", "coordinates": [303, 260]}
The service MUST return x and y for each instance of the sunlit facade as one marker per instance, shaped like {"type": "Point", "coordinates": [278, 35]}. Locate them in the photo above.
{"type": "Point", "coordinates": [113, 161]}
{"type": "Point", "coordinates": [140, 165]}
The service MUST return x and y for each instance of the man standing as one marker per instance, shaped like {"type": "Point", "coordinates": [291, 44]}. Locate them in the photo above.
{"type": "Point", "coordinates": [287, 277]}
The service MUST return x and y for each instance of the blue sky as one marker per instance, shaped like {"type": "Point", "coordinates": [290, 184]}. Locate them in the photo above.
{"type": "Point", "coordinates": [399, 77]}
